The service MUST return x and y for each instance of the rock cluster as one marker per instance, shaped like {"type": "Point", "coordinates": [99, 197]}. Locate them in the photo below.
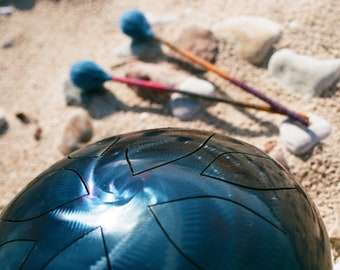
{"type": "Point", "coordinates": [254, 39]}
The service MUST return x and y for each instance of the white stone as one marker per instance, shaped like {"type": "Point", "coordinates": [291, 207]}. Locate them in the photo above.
{"type": "Point", "coordinates": [72, 93]}
{"type": "Point", "coordinates": [299, 139]}
{"type": "Point", "coordinates": [7, 10]}
{"type": "Point", "coordinates": [149, 49]}
{"type": "Point", "coordinates": [2, 118]}
{"type": "Point", "coordinates": [253, 36]}
{"type": "Point", "coordinates": [160, 20]}
{"type": "Point", "coordinates": [184, 106]}
{"type": "Point", "coordinates": [303, 74]}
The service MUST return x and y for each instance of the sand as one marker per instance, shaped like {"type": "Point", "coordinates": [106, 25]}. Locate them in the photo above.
{"type": "Point", "coordinates": [46, 39]}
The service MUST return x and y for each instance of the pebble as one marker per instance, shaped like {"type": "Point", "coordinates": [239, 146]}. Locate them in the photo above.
{"type": "Point", "coordinates": [299, 139]}
{"type": "Point", "coordinates": [200, 41]}
{"type": "Point", "coordinates": [185, 107]}
{"type": "Point", "coordinates": [143, 50]}
{"type": "Point", "coordinates": [3, 121]}
{"type": "Point", "coordinates": [78, 131]}
{"type": "Point", "coordinates": [157, 73]}
{"type": "Point", "coordinates": [253, 36]}
{"type": "Point", "coordinates": [8, 44]}
{"type": "Point", "coordinates": [72, 94]}
{"type": "Point", "coordinates": [304, 74]}
{"type": "Point", "coordinates": [6, 10]}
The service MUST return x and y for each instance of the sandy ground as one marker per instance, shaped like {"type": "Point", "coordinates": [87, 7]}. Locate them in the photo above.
{"type": "Point", "coordinates": [44, 40]}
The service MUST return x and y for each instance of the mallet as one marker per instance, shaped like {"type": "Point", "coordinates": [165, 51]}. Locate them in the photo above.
{"type": "Point", "coordinates": [88, 76]}
{"type": "Point", "coordinates": [134, 24]}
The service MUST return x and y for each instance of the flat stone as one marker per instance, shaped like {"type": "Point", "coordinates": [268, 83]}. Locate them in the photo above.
{"type": "Point", "coordinates": [200, 41]}
{"type": "Point", "coordinates": [303, 74]}
{"type": "Point", "coordinates": [8, 44]}
{"type": "Point", "coordinates": [3, 121]}
{"type": "Point", "coordinates": [6, 10]}
{"type": "Point", "coordinates": [253, 36]}
{"type": "Point", "coordinates": [78, 131]}
{"type": "Point", "coordinates": [299, 139]}
{"type": "Point", "coordinates": [144, 50]}
{"type": "Point", "coordinates": [185, 107]}
{"type": "Point", "coordinates": [72, 94]}
{"type": "Point", "coordinates": [160, 20]}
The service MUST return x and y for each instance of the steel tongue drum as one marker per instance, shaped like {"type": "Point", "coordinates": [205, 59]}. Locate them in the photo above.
{"type": "Point", "coordinates": [164, 199]}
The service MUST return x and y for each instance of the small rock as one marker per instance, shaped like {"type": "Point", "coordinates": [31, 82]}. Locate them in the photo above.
{"type": "Point", "coordinates": [3, 121]}
{"type": "Point", "coordinates": [72, 94]}
{"type": "Point", "coordinates": [6, 11]}
{"type": "Point", "coordinates": [157, 20]}
{"type": "Point", "coordinates": [269, 146]}
{"type": "Point", "coordinates": [253, 36]}
{"type": "Point", "coordinates": [200, 42]}
{"type": "Point", "coordinates": [293, 24]}
{"type": "Point", "coordinates": [303, 74]}
{"type": "Point", "coordinates": [300, 139]}
{"type": "Point", "coordinates": [157, 73]}
{"type": "Point", "coordinates": [144, 50]}
{"type": "Point", "coordinates": [8, 44]}
{"type": "Point", "coordinates": [78, 130]}
{"type": "Point", "coordinates": [185, 107]}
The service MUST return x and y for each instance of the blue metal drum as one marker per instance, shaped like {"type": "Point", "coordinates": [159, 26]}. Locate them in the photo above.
{"type": "Point", "coordinates": [164, 199]}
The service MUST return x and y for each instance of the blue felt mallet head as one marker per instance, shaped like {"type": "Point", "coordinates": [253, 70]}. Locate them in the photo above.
{"type": "Point", "coordinates": [134, 24]}
{"type": "Point", "coordinates": [88, 76]}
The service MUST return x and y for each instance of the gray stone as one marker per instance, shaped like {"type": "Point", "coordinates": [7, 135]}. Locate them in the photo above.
{"type": "Point", "coordinates": [299, 139]}
{"type": "Point", "coordinates": [253, 36]}
{"type": "Point", "coordinates": [8, 44]}
{"type": "Point", "coordinates": [185, 107]}
{"type": "Point", "coordinates": [72, 94]}
{"type": "Point", "coordinates": [78, 131]}
{"type": "Point", "coordinates": [144, 50]}
{"type": "Point", "coordinates": [6, 10]}
{"type": "Point", "coordinates": [160, 20]}
{"type": "Point", "coordinates": [201, 42]}
{"type": "Point", "coordinates": [3, 121]}
{"type": "Point", "coordinates": [303, 74]}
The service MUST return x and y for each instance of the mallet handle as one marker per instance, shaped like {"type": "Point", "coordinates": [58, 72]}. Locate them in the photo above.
{"type": "Point", "coordinates": [162, 87]}
{"type": "Point", "coordinates": [275, 106]}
